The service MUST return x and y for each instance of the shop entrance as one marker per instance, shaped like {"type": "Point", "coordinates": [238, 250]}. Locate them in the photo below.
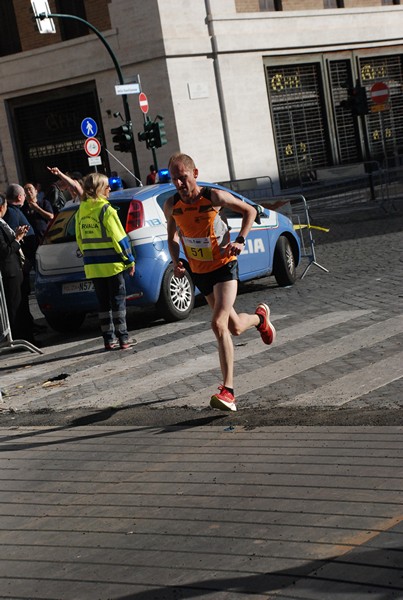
{"type": "Point", "coordinates": [313, 130]}
{"type": "Point", "coordinates": [47, 130]}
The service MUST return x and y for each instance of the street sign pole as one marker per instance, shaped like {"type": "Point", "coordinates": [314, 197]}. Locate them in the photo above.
{"type": "Point", "coordinates": [380, 97]}
{"type": "Point", "coordinates": [126, 108]}
{"type": "Point", "coordinates": [143, 103]}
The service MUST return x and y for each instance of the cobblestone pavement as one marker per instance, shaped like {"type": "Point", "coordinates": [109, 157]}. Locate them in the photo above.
{"type": "Point", "coordinates": [337, 358]}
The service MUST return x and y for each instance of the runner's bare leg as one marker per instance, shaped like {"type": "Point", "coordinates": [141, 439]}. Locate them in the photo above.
{"type": "Point", "coordinates": [225, 320]}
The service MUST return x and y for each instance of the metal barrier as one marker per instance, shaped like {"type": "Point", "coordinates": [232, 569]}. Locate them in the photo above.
{"type": "Point", "coordinates": [261, 191]}
{"type": "Point", "coordinates": [6, 338]}
{"type": "Point", "coordinates": [393, 168]}
{"type": "Point", "coordinates": [254, 188]}
{"type": "Point", "coordinates": [357, 186]}
{"type": "Point", "coordinates": [298, 212]}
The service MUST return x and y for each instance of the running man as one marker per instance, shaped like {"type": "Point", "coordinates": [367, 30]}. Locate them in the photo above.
{"type": "Point", "coordinates": [193, 218]}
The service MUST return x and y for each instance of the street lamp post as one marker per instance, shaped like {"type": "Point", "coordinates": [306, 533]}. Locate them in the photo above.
{"type": "Point", "coordinates": [41, 16]}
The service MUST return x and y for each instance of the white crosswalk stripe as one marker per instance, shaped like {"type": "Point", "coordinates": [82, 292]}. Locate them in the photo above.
{"type": "Point", "coordinates": [352, 386]}
{"type": "Point", "coordinates": [288, 367]}
{"type": "Point", "coordinates": [77, 350]}
{"type": "Point", "coordinates": [88, 387]}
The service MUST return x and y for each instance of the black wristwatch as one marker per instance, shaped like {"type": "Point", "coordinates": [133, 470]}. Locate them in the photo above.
{"type": "Point", "coordinates": [240, 240]}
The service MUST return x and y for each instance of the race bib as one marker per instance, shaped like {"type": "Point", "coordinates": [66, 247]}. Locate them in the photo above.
{"type": "Point", "coordinates": [198, 248]}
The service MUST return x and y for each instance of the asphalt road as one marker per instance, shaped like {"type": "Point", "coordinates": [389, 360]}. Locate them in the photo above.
{"type": "Point", "coordinates": [337, 359]}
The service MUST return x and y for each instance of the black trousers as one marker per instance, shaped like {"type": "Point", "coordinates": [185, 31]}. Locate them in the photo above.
{"type": "Point", "coordinates": [111, 295]}
{"type": "Point", "coordinates": [24, 321]}
{"type": "Point", "coordinates": [12, 292]}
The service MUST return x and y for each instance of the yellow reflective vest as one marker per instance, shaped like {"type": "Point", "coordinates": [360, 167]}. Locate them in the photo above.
{"type": "Point", "coordinates": [102, 240]}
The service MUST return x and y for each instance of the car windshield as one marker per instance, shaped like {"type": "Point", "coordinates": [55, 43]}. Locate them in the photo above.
{"type": "Point", "coordinates": [63, 227]}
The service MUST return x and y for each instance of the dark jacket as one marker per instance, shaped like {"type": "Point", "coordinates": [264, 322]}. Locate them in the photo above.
{"type": "Point", "coordinates": [15, 217]}
{"type": "Point", "coordinates": [56, 197]}
{"type": "Point", "coordinates": [10, 263]}
{"type": "Point", "coordinates": [35, 219]}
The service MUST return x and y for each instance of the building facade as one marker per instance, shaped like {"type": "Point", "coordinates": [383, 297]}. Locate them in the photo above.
{"type": "Point", "coordinates": [247, 87]}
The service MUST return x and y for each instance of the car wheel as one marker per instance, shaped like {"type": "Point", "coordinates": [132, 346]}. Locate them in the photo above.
{"type": "Point", "coordinates": [65, 322]}
{"type": "Point", "coordinates": [284, 269]}
{"type": "Point", "coordinates": [177, 296]}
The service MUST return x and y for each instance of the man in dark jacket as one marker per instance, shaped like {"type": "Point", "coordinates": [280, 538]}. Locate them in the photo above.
{"type": "Point", "coordinates": [38, 212]}
{"type": "Point", "coordinates": [11, 265]}
{"type": "Point", "coordinates": [14, 217]}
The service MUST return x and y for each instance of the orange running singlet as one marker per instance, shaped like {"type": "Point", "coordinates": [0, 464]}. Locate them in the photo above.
{"type": "Point", "coordinates": [203, 233]}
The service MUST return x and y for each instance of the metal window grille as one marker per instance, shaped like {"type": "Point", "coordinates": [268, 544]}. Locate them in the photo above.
{"type": "Point", "coordinates": [346, 126]}
{"type": "Point", "coordinates": [301, 136]}
{"type": "Point", "coordinates": [55, 133]}
{"type": "Point", "coordinates": [384, 122]}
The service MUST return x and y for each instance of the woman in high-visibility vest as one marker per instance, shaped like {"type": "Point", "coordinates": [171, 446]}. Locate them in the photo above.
{"type": "Point", "coordinates": [107, 254]}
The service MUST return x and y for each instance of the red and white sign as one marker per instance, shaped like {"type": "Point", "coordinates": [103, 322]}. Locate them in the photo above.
{"type": "Point", "coordinates": [92, 146]}
{"type": "Point", "coordinates": [143, 101]}
{"type": "Point", "coordinates": [380, 93]}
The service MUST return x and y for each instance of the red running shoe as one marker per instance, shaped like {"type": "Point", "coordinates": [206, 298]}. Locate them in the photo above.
{"type": "Point", "coordinates": [223, 400]}
{"type": "Point", "coordinates": [266, 329]}
{"type": "Point", "coordinates": [125, 344]}
{"type": "Point", "coordinates": [111, 345]}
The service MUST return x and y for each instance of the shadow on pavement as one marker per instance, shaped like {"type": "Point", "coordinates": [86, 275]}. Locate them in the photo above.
{"type": "Point", "coordinates": [358, 572]}
{"type": "Point", "coordinates": [97, 417]}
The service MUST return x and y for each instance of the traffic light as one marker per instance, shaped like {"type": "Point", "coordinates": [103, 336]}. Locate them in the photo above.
{"type": "Point", "coordinates": [147, 135]}
{"type": "Point", "coordinates": [151, 136]}
{"type": "Point", "coordinates": [123, 138]}
{"type": "Point", "coordinates": [154, 134]}
{"type": "Point", "coordinates": [142, 136]}
{"type": "Point", "coordinates": [357, 101]}
{"type": "Point", "coordinates": [159, 134]}
{"type": "Point", "coordinates": [361, 102]}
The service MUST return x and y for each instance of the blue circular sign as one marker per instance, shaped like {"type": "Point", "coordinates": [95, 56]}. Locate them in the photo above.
{"type": "Point", "coordinates": [88, 127]}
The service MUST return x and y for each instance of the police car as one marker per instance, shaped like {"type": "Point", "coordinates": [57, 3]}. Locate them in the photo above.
{"type": "Point", "coordinates": [65, 296]}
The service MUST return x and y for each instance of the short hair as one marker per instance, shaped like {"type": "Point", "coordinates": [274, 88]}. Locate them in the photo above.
{"type": "Point", "coordinates": [14, 190]}
{"type": "Point", "coordinates": [179, 157]}
{"type": "Point", "coordinates": [93, 185]}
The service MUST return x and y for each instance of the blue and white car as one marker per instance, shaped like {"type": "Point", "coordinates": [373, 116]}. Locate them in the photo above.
{"type": "Point", "coordinates": [65, 296]}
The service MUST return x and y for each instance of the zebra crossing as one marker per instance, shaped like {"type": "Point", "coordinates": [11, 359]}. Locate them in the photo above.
{"type": "Point", "coordinates": [166, 371]}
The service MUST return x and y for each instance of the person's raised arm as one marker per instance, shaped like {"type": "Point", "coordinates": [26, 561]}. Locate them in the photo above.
{"type": "Point", "coordinates": [72, 182]}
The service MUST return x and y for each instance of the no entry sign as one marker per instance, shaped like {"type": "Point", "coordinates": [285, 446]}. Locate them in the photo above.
{"type": "Point", "coordinates": [380, 93]}
{"type": "Point", "coordinates": [143, 101]}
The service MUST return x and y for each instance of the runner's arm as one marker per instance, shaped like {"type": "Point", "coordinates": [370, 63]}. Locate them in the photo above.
{"type": "Point", "coordinates": [223, 199]}
{"type": "Point", "coordinates": [173, 239]}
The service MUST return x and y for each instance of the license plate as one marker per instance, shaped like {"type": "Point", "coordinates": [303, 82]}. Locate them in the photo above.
{"type": "Point", "coordinates": [79, 286]}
